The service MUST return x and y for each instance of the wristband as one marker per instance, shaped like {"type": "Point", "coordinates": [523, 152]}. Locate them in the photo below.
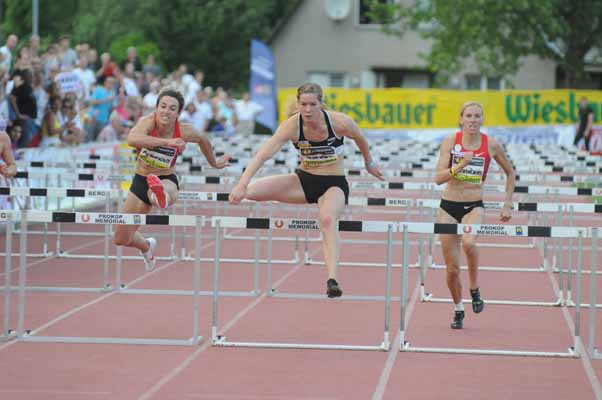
{"type": "Point", "coordinates": [371, 164]}
{"type": "Point", "coordinates": [509, 204]}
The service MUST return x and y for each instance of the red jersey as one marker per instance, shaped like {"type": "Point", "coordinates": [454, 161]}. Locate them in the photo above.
{"type": "Point", "coordinates": [162, 157]}
{"type": "Point", "coordinates": [476, 171]}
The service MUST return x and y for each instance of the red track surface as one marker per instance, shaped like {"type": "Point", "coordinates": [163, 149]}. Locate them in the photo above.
{"type": "Point", "coordinates": [93, 371]}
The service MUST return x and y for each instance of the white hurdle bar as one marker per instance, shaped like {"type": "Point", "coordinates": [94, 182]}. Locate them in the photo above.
{"type": "Point", "coordinates": [508, 230]}
{"type": "Point", "coordinates": [28, 335]}
{"type": "Point", "coordinates": [7, 333]}
{"type": "Point", "coordinates": [266, 223]}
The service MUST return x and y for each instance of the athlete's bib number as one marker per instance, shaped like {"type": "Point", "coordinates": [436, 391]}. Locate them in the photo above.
{"type": "Point", "coordinates": [160, 157]}
{"type": "Point", "coordinates": [319, 155]}
{"type": "Point", "coordinates": [473, 172]}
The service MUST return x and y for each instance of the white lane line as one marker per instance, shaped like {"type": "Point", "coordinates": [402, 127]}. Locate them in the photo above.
{"type": "Point", "coordinates": [395, 350]}
{"type": "Point", "coordinates": [54, 392]}
{"type": "Point", "coordinates": [178, 369]}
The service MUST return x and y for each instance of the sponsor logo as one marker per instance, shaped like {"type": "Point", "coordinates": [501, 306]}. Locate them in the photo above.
{"type": "Point", "coordinates": [98, 193]}
{"type": "Point", "coordinates": [399, 202]}
{"type": "Point", "coordinates": [519, 231]}
{"type": "Point", "coordinates": [279, 223]}
{"type": "Point", "coordinates": [3, 216]}
{"type": "Point", "coordinates": [86, 218]}
{"type": "Point", "coordinates": [467, 207]}
{"type": "Point", "coordinates": [467, 229]}
{"type": "Point", "coordinates": [209, 196]}
{"type": "Point", "coordinates": [458, 147]}
{"type": "Point", "coordinates": [492, 230]}
{"type": "Point", "coordinates": [598, 192]}
{"type": "Point", "coordinates": [137, 219]}
{"type": "Point", "coordinates": [479, 154]}
{"type": "Point", "coordinates": [303, 224]}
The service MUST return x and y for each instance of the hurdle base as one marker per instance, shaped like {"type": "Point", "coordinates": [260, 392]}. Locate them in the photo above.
{"type": "Point", "coordinates": [491, 268]}
{"type": "Point", "coordinates": [28, 337]}
{"type": "Point", "coordinates": [429, 298]}
{"type": "Point", "coordinates": [105, 289]}
{"type": "Point", "coordinates": [8, 335]}
{"type": "Point", "coordinates": [315, 296]}
{"type": "Point", "coordinates": [570, 353]}
{"type": "Point", "coordinates": [222, 341]}
{"type": "Point", "coordinates": [177, 292]}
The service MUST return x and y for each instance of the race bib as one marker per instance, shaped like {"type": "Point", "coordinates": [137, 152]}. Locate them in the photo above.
{"type": "Point", "coordinates": [473, 172]}
{"type": "Point", "coordinates": [317, 155]}
{"type": "Point", "coordinates": [160, 157]}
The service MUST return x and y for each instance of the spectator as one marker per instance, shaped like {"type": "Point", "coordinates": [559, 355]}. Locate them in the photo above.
{"type": "Point", "coordinates": [247, 111]}
{"type": "Point", "coordinates": [132, 57]}
{"type": "Point", "coordinates": [51, 127]}
{"type": "Point", "coordinates": [68, 56]}
{"type": "Point", "coordinates": [107, 67]}
{"type": "Point", "coordinates": [195, 85]}
{"type": "Point", "coordinates": [227, 113]}
{"type": "Point", "coordinates": [85, 75]}
{"type": "Point", "coordinates": [50, 60]}
{"type": "Point", "coordinates": [150, 99]}
{"type": "Point", "coordinates": [41, 96]}
{"type": "Point", "coordinates": [151, 66]}
{"type": "Point", "coordinates": [23, 103]}
{"type": "Point", "coordinates": [116, 130]}
{"type": "Point", "coordinates": [128, 82]}
{"type": "Point", "coordinates": [92, 60]}
{"type": "Point", "coordinates": [23, 60]}
{"type": "Point", "coordinates": [586, 120]}
{"type": "Point", "coordinates": [187, 114]}
{"type": "Point", "coordinates": [6, 50]}
{"type": "Point", "coordinates": [34, 46]}
{"type": "Point", "coordinates": [204, 113]}
{"type": "Point", "coordinates": [100, 106]}
{"type": "Point", "coordinates": [72, 131]}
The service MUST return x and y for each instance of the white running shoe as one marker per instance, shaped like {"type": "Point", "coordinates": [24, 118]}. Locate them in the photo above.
{"type": "Point", "coordinates": [149, 256]}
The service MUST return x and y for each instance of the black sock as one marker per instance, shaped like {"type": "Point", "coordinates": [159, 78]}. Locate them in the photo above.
{"type": "Point", "coordinates": [475, 293]}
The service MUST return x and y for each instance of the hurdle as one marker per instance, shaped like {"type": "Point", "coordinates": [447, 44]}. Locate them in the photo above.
{"type": "Point", "coordinates": [7, 333]}
{"type": "Point", "coordinates": [509, 230]}
{"type": "Point", "coordinates": [591, 348]}
{"type": "Point", "coordinates": [27, 335]}
{"type": "Point", "coordinates": [265, 223]}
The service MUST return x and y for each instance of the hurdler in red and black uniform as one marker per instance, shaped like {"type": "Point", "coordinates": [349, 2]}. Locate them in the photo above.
{"type": "Point", "coordinates": [463, 163]}
{"type": "Point", "coordinates": [159, 138]}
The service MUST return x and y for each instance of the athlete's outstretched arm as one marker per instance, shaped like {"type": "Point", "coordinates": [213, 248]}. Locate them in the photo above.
{"type": "Point", "coordinates": [283, 134]}
{"type": "Point", "coordinates": [192, 136]}
{"type": "Point", "coordinates": [352, 131]}
{"type": "Point", "coordinates": [139, 138]}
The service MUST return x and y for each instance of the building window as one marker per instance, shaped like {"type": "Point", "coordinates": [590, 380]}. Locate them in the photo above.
{"type": "Point", "coordinates": [402, 78]}
{"type": "Point", "coordinates": [480, 82]}
{"type": "Point", "coordinates": [364, 8]}
{"type": "Point", "coordinates": [329, 79]}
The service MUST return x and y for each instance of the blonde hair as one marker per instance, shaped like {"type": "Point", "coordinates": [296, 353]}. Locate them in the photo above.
{"type": "Point", "coordinates": [470, 104]}
{"type": "Point", "coordinates": [311, 88]}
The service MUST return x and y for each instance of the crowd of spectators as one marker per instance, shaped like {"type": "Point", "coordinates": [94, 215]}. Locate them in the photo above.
{"type": "Point", "coordinates": [69, 95]}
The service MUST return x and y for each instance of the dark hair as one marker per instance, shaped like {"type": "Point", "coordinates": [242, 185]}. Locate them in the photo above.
{"type": "Point", "coordinates": [172, 93]}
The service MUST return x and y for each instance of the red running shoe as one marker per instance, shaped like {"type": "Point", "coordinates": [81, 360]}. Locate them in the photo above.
{"type": "Point", "coordinates": [156, 186]}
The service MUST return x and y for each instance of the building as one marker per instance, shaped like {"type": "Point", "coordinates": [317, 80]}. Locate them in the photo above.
{"type": "Point", "coordinates": [334, 44]}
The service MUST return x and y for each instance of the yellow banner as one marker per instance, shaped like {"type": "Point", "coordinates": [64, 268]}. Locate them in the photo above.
{"type": "Point", "coordinates": [434, 108]}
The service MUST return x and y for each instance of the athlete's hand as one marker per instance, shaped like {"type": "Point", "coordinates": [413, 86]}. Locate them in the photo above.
{"type": "Point", "coordinates": [222, 162]}
{"type": "Point", "coordinates": [178, 143]}
{"type": "Point", "coordinates": [467, 158]}
{"type": "Point", "coordinates": [505, 213]}
{"type": "Point", "coordinates": [238, 193]}
{"type": "Point", "coordinates": [7, 171]}
{"type": "Point", "coordinates": [374, 170]}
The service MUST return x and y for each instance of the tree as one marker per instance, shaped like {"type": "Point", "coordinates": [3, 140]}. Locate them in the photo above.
{"type": "Point", "coordinates": [498, 34]}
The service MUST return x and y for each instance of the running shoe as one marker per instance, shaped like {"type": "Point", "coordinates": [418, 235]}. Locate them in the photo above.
{"type": "Point", "coordinates": [149, 256]}
{"type": "Point", "coordinates": [458, 322]}
{"type": "Point", "coordinates": [156, 186]}
{"type": "Point", "coordinates": [477, 302]}
{"type": "Point", "coordinates": [332, 288]}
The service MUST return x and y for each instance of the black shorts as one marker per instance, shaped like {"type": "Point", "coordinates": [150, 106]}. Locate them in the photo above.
{"type": "Point", "coordinates": [314, 186]}
{"type": "Point", "coordinates": [458, 209]}
{"type": "Point", "coordinates": [140, 188]}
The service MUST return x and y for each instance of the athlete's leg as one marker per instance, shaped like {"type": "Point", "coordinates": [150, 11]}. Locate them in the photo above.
{"type": "Point", "coordinates": [469, 245]}
{"type": "Point", "coordinates": [162, 193]}
{"type": "Point", "coordinates": [283, 188]}
{"type": "Point", "coordinates": [128, 235]}
{"type": "Point", "coordinates": [450, 245]}
{"type": "Point", "coordinates": [331, 205]}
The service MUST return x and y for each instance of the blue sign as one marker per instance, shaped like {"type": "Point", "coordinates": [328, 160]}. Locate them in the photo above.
{"type": "Point", "coordinates": [263, 83]}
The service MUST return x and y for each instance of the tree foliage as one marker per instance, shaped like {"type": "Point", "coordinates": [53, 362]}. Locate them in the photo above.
{"type": "Point", "coordinates": [497, 35]}
{"type": "Point", "coordinates": [214, 35]}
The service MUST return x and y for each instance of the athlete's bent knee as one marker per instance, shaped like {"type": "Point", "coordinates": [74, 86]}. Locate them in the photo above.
{"type": "Point", "coordinates": [122, 239]}
{"type": "Point", "coordinates": [326, 221]}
